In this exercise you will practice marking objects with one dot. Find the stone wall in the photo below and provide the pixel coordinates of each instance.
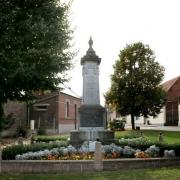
(56, 166)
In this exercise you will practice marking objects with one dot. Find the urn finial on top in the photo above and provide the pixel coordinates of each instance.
(90, 54)
(90, 42)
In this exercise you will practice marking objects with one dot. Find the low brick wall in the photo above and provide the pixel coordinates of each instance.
(57, 166)
(45, 166)
(140, 163)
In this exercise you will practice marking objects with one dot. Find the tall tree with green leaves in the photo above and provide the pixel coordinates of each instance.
(135, 85)
(34, 47)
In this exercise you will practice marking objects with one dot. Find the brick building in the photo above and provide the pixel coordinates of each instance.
(172, 107)
(56, 112)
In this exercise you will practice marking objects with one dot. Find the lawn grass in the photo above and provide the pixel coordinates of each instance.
(140, 174)
(170, 137)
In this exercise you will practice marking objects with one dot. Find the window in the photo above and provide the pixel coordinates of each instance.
(75, 115)
(75, 111)
(67, 109)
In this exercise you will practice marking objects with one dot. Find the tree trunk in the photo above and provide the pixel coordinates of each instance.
(1, 115)
(145, 120)
(132, 121)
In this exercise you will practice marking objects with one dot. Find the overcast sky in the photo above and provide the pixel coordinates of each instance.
(115, 23)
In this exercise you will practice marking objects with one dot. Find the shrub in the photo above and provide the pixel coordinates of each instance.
(42, 138)
(116, 124)
(21, 131)
(175, 147)
(140, 142)
(41, 131)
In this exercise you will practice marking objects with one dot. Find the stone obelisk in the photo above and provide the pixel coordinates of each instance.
(92, 124)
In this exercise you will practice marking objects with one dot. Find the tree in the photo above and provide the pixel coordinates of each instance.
(135, 84)
(34, 47)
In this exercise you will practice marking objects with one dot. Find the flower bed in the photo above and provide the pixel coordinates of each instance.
(60, 150)
(10, 152)
(108, 151)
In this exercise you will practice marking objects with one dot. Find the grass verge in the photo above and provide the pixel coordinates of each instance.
(140, 174)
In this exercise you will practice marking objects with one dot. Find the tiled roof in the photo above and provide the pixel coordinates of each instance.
(168, 84)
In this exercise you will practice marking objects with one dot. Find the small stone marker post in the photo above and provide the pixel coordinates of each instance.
(98, 156)
(161, 139)
(141, 134)
(32, 125)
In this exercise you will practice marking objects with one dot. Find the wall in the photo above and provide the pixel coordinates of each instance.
(55, 119)
(46, 119)
(56, 166)
(173, 95)
(67, 123)
(159, 120)
(18, 111)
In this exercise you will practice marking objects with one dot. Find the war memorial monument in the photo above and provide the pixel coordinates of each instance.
(92, 124)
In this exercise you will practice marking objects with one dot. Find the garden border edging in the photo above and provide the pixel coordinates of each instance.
(59, 166)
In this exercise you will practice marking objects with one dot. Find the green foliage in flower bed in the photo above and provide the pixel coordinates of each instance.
(143, 143)
(10, 152)
(50, 138)
(171, 140)
(132, 139)
(135, 142)
(175, 147)
(127, 134)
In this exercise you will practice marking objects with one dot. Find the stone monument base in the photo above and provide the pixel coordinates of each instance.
(78, 137)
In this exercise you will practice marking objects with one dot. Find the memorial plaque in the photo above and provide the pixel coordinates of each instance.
(91, 118)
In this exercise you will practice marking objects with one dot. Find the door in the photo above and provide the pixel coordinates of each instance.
(172, 114)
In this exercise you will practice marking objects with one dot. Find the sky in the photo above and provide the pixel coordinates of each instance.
(115, 23)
